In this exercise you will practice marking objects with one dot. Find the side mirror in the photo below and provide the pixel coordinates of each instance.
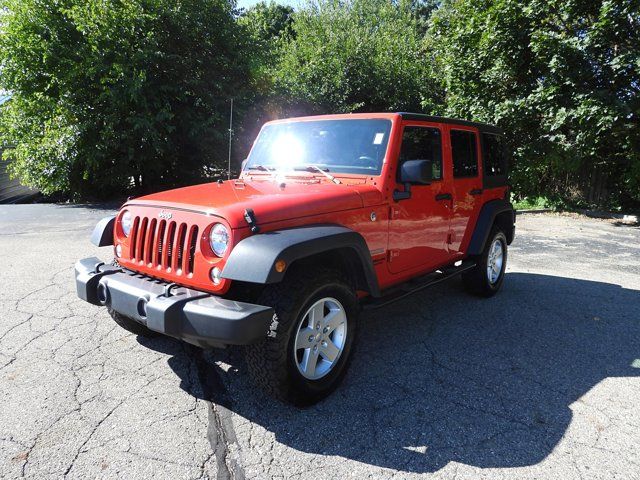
(413, 172)
(417, 171)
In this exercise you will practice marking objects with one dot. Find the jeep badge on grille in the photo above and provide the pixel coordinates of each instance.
(166, 215)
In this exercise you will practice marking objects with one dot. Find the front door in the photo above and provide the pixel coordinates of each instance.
(467, 184)
(419, 225)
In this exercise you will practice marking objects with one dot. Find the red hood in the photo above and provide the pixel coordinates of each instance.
(269, 202)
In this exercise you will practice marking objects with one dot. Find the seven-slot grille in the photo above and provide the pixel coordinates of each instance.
(164, 244)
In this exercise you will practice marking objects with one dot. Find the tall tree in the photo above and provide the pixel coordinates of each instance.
(357, 55)
(562, 77)
(109, 93)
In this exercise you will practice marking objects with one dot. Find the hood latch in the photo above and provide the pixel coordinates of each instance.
(250, 217)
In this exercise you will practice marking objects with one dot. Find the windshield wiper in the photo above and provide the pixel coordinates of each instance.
(262, 168)
(323, 171)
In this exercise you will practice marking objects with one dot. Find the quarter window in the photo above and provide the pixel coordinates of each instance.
(495, 161)
(464, 153)
(423, 143)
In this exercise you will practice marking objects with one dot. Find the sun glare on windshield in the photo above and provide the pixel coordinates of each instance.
(287, 151)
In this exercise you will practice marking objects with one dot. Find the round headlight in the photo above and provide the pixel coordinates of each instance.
(219, 239)
(126, 221)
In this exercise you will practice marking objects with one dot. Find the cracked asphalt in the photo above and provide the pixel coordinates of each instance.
(540, 381)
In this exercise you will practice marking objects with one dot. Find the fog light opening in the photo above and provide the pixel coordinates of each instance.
(118, 250)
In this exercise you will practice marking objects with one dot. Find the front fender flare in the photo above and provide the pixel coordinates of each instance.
(253, 259)
(102, 235)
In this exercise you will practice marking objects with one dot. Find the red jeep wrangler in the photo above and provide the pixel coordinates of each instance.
(330, 214)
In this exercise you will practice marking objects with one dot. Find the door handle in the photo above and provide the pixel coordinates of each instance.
(444, 196)
(475, 191)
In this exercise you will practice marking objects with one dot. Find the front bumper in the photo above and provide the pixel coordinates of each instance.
(190, 315)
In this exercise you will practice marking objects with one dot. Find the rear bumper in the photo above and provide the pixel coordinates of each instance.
(190, 315)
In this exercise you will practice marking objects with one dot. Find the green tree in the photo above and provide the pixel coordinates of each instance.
(357, 55)
(562, 78)
(117, 93)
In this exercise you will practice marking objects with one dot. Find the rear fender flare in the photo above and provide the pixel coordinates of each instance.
(253, 259)
(486, 219)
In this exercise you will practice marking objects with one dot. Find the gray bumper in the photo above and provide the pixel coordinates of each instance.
(191, 315)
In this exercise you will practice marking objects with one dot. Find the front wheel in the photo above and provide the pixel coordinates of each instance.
(307, 351)
(486, 278)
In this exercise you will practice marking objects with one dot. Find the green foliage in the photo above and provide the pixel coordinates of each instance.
(110, 93)
(107, 93)
(562, 78)
(356, 55)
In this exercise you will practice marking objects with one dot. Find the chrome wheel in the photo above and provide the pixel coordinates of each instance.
(495, 260)
(320, 338)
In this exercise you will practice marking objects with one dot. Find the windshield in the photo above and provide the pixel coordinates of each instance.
(338, 146)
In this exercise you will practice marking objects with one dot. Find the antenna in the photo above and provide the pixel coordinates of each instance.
(230, 137)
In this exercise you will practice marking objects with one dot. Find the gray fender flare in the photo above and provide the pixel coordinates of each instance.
(102, 235)
(253, 259)
(486, 218)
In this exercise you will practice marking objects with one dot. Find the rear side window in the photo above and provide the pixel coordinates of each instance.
(423, 143)
(464, 153)
(495, 161)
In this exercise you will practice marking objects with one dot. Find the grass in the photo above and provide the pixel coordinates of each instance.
(531, 203)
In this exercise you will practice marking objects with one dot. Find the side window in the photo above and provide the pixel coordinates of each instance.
(464, 153)
(423, 143)
(495, 161)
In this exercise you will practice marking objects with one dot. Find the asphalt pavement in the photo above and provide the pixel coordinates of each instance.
(540, 381)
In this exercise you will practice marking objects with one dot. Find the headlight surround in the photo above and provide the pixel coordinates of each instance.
(219, 239)
(126, 221)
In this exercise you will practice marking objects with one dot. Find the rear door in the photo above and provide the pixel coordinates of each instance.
(419, 225)
(467, 184)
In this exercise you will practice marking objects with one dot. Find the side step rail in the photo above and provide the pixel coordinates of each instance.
(399, 292)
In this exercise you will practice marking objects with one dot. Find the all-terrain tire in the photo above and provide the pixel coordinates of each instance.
(476, 281)
(131, 325)
(272, 362)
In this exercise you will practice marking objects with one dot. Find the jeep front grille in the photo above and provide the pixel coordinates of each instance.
(163, 244)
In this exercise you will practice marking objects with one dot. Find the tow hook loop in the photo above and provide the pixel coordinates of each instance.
(168, 288)
(250, 217)
(96, 268)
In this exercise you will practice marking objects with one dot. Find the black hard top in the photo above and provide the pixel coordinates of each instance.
(483, 127)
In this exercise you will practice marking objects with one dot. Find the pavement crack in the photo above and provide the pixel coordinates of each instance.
(220, 432)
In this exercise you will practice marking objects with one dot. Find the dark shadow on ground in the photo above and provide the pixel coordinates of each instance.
(447, 377)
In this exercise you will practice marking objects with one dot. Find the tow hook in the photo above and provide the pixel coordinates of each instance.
(168, 288)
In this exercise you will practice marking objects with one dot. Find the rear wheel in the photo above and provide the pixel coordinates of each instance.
(131, 325)
(486, 278)
(308, 349)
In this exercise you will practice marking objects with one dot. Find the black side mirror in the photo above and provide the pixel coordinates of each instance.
(413, 172)
(417, 171)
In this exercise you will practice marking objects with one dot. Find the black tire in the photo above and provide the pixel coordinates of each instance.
(476, 280)
(271, 362)
(131, 325)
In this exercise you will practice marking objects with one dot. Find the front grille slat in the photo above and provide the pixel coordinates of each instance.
(177, 260)
(148, 247)
(133, 235)
(164, 245)
(159, 248)
(142, 233)
(171, 231)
